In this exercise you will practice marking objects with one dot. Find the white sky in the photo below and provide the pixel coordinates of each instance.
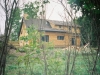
(54, 11)
(2, 18)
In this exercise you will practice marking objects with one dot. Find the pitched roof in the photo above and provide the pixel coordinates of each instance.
(53, 30)
(63, 23)
(44, 25)
(41, 25)
(38, 23)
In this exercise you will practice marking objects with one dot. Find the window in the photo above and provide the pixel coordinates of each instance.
(69, 28)
(59, 26)
(60, 37)
(45, 38)
(73, 41)
(47, 23)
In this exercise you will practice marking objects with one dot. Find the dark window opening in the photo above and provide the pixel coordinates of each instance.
(69, 28)
(73, 41)
(60, 37)
(45, 38)
(59, 26)
(47, 23)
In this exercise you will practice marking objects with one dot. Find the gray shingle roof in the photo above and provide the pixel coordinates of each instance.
(41, 24)
(63, 23)
(53, 30)
(44, 25)
(38, 23)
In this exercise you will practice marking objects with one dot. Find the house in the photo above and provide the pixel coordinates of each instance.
(61, 34)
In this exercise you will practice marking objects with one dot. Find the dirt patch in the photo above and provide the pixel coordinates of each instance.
(16, 53)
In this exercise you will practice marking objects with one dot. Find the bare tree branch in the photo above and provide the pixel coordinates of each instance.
(8, 25)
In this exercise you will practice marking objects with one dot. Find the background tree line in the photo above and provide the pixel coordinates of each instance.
(89, 20)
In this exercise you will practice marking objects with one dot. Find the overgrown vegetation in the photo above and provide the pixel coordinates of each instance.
(34, 64)
(90, 17)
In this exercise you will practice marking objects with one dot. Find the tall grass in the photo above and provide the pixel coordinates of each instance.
(56, 60)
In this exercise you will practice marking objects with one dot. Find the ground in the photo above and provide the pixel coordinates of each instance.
(20, 63)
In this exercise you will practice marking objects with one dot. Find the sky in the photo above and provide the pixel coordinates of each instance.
(2, 18)
(54, 11)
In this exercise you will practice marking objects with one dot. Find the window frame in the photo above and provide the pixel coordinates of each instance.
(60, 37)
(45, 38)
(60, 26)
(73, 41)
(70, 28)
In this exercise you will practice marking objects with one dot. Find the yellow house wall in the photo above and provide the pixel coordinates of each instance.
(53, 38)
(23, 33)
(77, 30)
(78, 41)
(61, 43)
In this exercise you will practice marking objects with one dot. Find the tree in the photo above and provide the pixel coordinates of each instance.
(35, 50)
(35, 9)
(16, 25)
(9, 8)
(31, 9)
(91, 10)
(86, 30)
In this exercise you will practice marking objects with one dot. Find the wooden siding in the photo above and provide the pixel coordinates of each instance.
(23, 33)
(61, 43)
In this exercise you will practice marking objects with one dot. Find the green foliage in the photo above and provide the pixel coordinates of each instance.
(86, 6)
(34, 64)
(16, 25)
(34, 9)
(98, 67)
(32, 57)
(90, 10)
(86, 30)
(33, 37)
(31, 9)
